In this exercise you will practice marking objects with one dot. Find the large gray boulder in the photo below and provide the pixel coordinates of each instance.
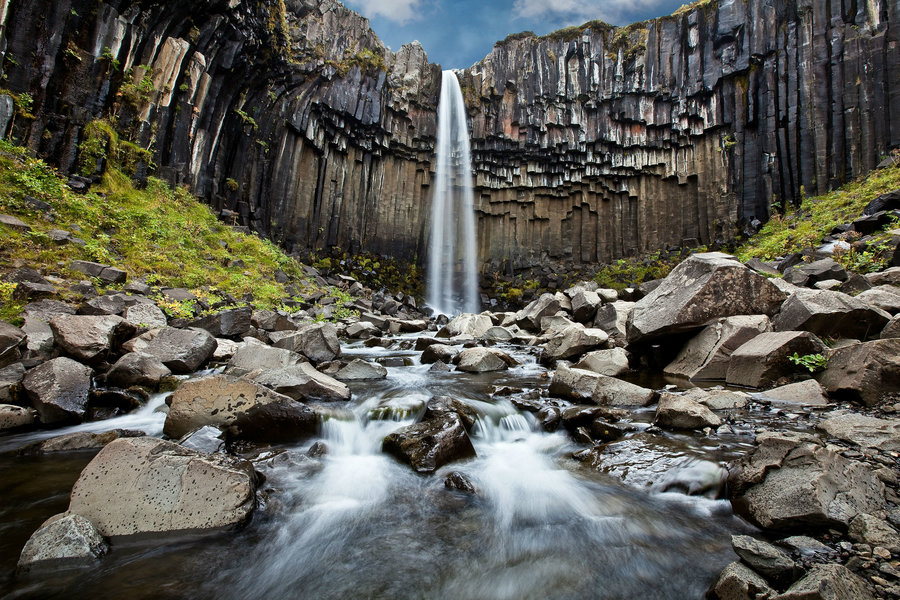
(869, 529)
(579, 384)
(806, 274)
(302, 382)
(806, 393)
(706, 355)
(863, 431)
(244, 407)
(429, 445)
(254, 355)
(90, 338)
(575, 340)
(739, 582)
(181, 350)
(885, 297)
(12, 340)
(545, 306)
(830, 314)
(231, 323)
(319, 343)
(145, 315)
(704, 287)
(59, 390)
(481, 360)
(828, 582)
(137, 369)
(765, 358)
(147, 485)
(676, 411)
(360, 370)
(63, 539)
(611, 362)
(466, 324)
(792, 482)
(438, 352)
(766, 559)
(613, 319)
(584, 305)
(864, 372)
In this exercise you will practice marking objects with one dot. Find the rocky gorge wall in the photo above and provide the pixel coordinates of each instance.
(589, 144)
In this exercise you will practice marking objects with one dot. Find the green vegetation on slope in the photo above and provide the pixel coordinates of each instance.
(162, 234)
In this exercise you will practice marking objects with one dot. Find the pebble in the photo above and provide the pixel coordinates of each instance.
(889, 569)
(882, 553)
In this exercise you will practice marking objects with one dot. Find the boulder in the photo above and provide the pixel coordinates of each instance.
(181, 350)
(869, 529)
(863, 431)
(99, 306)
(147, 485)
(584, 305)
(718, 399)
(12, 340)
(481, 360)
(207, 439)
(145, 316)
(225, 324)
(302, 382)
(360, 370)
(466, 324)
(766, 559)
(892, 329)
(806, 274)
(137, 369)
(59, 390)
(429, 445)
(765, 358)
(319, 342)
(704, 287)
(244, 407)
(437, 352)
(11, 382)
(864, 372)
(738, 582)
(885, 297)
(806, 393)
(225, 349)
(580, 384)
(362, 331)
(830, 314)
(63, 539)
(612, 362)
(14, 417)
(79, 440)
(573, 341)
(90, 338)
(500, 334)
(676, 411)
(828, 582)
(530, 317)
(887, 277)
(440, 405)
(792, 482)
(613, 319)
(706, 355)
(255, 355)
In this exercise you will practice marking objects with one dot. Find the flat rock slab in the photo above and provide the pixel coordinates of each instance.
(791, 482)
(580, 384)
(78, 441)
(863, 431)
(147, 485)
(229, 402)
(302, 382)
(806, 393)
(703, 288)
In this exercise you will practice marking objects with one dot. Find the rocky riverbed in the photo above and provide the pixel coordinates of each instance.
(719, 431)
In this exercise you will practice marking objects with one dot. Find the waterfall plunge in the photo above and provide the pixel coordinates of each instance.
(452, 271)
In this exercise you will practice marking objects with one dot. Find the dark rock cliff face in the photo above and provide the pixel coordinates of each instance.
(589, 144)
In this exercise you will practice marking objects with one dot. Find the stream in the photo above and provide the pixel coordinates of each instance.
(355, 523)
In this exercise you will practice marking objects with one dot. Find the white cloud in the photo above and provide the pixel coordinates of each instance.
(575, 12)
(398, 11)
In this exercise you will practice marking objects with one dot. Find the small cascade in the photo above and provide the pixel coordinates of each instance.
(452, 266)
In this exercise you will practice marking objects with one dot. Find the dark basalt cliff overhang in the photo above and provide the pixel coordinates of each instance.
(589, 144)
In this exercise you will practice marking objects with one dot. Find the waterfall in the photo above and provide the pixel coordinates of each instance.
(452, 270)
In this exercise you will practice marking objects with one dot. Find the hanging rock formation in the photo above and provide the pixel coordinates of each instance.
(589, 144)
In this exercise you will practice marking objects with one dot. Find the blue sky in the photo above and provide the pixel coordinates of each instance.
(459, 33)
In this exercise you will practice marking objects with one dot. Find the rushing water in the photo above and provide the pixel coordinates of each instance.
(355, 523)
(452, 270)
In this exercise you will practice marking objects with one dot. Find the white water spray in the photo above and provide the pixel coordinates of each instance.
(452, 270)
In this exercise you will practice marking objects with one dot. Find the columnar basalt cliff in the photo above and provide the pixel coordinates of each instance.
(589, 144)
